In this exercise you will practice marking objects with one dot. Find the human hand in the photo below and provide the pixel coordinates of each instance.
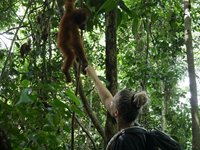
(90, 71)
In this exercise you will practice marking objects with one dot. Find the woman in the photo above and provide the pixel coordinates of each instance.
(125, 107)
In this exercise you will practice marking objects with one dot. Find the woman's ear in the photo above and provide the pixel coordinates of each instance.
(116, 113)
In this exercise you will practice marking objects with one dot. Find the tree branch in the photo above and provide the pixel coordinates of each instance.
(14, 28)
(87, 133)
(90, 113)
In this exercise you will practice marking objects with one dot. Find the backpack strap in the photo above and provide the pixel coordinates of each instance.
(134, 129)
(112, 141)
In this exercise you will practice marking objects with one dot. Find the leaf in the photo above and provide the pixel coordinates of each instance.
(135, 25)
(76, 110)
(24, 98)
(73, 97)
(125, 8)
(48, 128)
(59, 104)
(25, 83)
(17, 44)
(67, 128)
(119, 17)
(108, 5)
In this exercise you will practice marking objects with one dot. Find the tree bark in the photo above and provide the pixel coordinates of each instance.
(111, 68)
(192, 77)
(89, 112)
(4, 142)
(165, 101)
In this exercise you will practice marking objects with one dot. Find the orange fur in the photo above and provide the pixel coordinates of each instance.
(69, 39)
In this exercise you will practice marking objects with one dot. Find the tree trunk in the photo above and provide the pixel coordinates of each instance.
(164, 107)
(192, 77)
(111, 68)
(165, 103)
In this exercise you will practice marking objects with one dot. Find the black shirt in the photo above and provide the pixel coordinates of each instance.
(127, 140)
(130, 142)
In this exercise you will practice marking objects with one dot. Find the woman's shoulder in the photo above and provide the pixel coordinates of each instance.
(132, 138)
(135, 134)
(134, 141)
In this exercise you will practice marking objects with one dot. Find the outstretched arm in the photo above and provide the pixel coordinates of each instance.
(105, 96)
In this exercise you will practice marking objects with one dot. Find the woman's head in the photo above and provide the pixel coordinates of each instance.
(129, 104)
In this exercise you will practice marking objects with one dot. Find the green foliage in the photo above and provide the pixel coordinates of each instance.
(8, 9)
(108, 5)
(35, 102)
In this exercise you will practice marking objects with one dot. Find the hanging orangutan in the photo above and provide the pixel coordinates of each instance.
(69, 39)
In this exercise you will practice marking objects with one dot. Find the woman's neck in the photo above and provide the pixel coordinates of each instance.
(121, 124)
